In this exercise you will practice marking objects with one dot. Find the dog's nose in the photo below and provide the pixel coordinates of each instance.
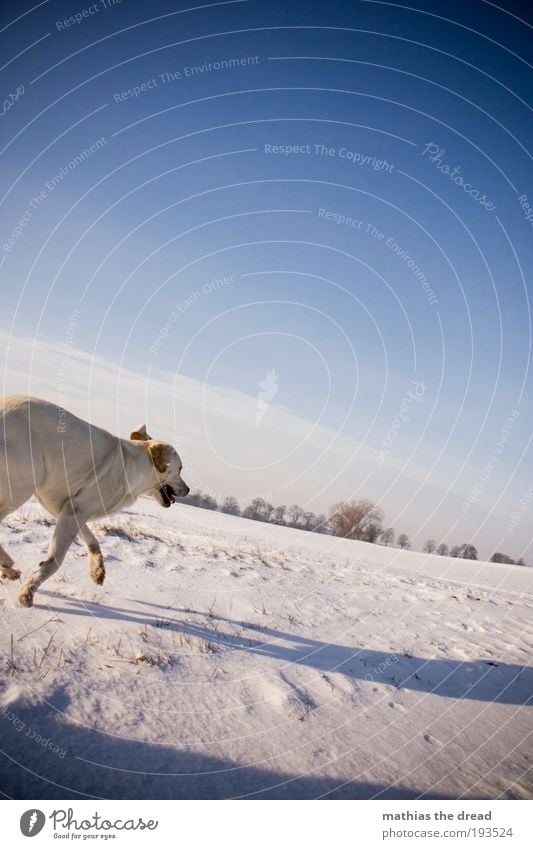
(186, 490)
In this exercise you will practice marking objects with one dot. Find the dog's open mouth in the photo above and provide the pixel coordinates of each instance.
(168, 495)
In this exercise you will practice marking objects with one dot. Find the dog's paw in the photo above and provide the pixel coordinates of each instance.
(9, 573)
(98, 575)
(97, 570)
(26, 596)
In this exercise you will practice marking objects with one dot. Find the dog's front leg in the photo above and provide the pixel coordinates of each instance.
(96, 559)
(67, 527)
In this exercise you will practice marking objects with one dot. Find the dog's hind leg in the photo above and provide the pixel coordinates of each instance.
(96, 559)
(6, 562)
(68, 526)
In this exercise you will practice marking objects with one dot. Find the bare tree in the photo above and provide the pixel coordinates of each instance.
(230, 505)
(498, 557)
(468, 551)
(321, 525)
(372, 533)
(268, 511)
(443, 549)
(255, 509)
(309, 520)
(430, 545)
(356, 520)
(279, 514)
(403, 541)
(455, 551)
(387, 536)
(296, 515)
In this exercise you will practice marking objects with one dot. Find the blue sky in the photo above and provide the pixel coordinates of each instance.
(311, 176)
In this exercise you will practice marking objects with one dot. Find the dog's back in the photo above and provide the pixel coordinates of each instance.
(21, 460)
(43, 446)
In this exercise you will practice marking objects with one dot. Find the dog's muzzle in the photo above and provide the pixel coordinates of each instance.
(169, 494)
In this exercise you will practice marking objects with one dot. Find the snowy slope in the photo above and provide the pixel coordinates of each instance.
(225, 658)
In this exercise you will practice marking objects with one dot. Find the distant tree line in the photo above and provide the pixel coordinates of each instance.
(466, 551)
(293, 517)
(498, 557)
(358, 520)
(200, 499)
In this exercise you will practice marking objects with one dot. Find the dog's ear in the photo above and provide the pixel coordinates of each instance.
(140, 433)
(160, 454)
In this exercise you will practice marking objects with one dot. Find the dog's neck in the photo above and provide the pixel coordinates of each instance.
(145, 478)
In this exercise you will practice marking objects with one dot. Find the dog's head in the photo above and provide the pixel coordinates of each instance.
(168, 484)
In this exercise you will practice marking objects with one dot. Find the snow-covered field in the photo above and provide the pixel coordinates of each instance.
(225, 658)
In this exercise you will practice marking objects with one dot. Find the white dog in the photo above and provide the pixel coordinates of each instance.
(79, 473)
